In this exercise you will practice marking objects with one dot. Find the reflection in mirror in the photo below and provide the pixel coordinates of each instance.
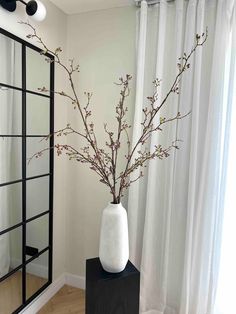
(37, 71)
(10, 205)
(37, 235)
(36, 274)
(38, 115)
(11, 293)
(10, 62)
(37, 198)
(11, 159)
(10, 111)
(10, 251)
(25, 116)
(37, 166)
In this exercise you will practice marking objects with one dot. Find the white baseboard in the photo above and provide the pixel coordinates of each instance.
(75, 281)
(32, 268)
(45, 296)
(37, 270)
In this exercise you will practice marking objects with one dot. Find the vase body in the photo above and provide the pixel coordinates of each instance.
(114, 239)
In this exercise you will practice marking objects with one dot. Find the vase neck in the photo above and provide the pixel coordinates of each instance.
(114, 206)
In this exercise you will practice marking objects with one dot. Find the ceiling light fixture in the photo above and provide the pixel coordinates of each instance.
(35, 9)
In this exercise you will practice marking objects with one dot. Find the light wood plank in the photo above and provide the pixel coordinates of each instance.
(68, 300)
(11, 291)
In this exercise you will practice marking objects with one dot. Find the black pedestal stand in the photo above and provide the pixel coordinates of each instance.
(108, 293)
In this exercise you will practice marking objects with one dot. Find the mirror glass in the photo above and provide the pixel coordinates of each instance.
(10, 61)
(25, 121)
(36, 274)
(11, 293)
(38, 115)
(10, 111)
(37, 235)
(11, 251)
(37, 71)
(40, 165)
(37, 196)
(11, 159)
(10, 205)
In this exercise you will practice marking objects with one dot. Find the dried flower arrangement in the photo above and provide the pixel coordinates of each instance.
(103, 160)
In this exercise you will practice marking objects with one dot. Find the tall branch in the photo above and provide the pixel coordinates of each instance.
(104, 161)
(148, 129)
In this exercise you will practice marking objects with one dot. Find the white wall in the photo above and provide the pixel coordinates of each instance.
(103, 42)
(53, 30)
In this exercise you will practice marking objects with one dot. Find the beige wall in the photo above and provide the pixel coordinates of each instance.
(53, 30)
(103, 42)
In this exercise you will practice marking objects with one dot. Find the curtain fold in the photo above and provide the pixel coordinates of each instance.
(226, 261)
(135, 248)
(175, 213)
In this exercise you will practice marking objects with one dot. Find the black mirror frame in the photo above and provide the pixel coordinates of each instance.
(23, 224)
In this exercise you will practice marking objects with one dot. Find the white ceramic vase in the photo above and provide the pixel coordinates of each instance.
(114, 239)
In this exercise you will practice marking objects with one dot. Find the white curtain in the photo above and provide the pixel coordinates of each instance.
(10, 116)
(175, 213)
(225, 300)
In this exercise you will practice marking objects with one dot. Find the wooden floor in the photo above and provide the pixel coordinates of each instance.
(11, 291)
(68, 300)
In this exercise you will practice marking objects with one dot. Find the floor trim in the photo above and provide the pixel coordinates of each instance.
(32, 268)
(44, 297)
(75, 281)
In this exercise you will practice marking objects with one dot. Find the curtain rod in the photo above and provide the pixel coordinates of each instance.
(150, 2)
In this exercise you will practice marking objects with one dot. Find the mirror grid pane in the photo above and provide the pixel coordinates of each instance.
(25, 191)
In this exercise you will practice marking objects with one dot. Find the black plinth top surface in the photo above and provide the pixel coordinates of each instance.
(95, 272)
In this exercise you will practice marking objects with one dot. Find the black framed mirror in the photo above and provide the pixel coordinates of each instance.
(26, 189)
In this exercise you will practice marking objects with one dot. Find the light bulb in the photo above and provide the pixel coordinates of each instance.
(36, 10)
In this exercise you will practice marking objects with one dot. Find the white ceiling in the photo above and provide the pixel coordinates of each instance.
(78, 6)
